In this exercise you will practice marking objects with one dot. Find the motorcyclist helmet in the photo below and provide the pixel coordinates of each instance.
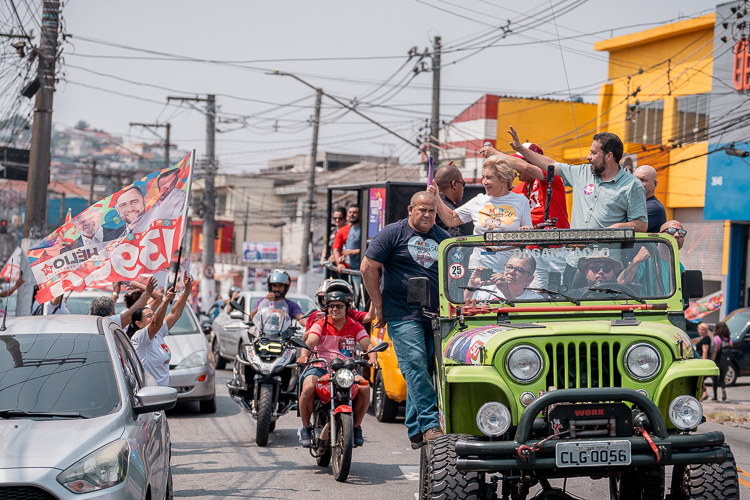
(339, 296)
(281, 277)
(331, 285)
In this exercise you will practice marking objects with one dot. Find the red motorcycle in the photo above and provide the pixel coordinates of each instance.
(333, 417)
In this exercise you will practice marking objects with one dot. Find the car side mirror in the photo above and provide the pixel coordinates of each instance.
(692, 284)
(235, 314)
(418, 292)
(155, 399)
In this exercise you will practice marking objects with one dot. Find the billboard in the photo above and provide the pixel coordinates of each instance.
(264, 251)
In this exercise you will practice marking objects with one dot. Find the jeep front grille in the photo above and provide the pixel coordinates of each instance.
(582, 364)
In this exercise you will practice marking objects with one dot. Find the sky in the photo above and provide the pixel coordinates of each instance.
(350, 49)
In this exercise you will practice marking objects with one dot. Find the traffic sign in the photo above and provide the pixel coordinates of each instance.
(208, 272)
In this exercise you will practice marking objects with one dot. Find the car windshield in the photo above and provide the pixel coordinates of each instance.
(57, 373)
(737, 322)
(492, 272)
(305, 304)
(186, 324)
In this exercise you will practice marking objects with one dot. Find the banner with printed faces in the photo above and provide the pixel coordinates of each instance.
(12, 269)
(132, 232)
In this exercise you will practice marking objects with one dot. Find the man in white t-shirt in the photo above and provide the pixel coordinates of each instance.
(510, 285)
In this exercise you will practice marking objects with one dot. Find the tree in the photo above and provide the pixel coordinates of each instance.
(82, 125)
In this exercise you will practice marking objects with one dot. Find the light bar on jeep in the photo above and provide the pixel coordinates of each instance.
(560, 235)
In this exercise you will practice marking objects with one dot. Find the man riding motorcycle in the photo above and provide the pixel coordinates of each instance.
(278, 283)
(335, 336)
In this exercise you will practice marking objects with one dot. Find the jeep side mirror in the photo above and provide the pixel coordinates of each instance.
(418, 292)
(692, 284)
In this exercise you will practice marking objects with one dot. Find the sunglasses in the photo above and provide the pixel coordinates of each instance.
(516, 270)
(463, 183)
(595, 268)
(339, 218)
(673, 230)
(336, 306)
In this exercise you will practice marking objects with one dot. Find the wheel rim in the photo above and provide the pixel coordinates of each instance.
(729, 375)
(338, 447)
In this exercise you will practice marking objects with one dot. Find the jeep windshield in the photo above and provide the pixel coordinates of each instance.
(534, 266)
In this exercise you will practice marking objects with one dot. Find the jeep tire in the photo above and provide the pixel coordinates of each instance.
(447, 483)
(708, 481)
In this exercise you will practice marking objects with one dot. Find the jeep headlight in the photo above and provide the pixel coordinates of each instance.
(524, 363)
(103, 468)
(642, 361)
(493, 419)
(344, 378)
(198, 358)
(685, 412)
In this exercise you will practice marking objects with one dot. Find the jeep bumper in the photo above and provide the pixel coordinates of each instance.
(674, 449)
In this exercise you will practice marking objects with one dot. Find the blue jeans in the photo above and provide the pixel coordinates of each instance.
(414, 347)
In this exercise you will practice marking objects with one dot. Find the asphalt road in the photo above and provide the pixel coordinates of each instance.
(215, 456)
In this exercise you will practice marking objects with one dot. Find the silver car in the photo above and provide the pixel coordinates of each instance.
(78, 415)
(229, 328)
(191, 369)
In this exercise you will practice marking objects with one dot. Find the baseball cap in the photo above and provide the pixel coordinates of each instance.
(533, 147)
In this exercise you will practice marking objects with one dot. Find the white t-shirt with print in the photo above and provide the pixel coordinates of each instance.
(494, 213)
(484, 294)
(154, 353)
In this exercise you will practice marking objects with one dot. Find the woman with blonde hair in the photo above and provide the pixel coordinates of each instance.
(498, 209)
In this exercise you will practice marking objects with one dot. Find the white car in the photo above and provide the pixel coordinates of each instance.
(79, 417)
(229, 330)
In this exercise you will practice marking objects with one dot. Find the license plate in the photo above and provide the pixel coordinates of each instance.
(592, 454)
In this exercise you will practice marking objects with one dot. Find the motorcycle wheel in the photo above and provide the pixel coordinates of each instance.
(342, 446)
(325, 458)
(265, 409)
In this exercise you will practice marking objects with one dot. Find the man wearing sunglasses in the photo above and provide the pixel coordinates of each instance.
(451, 184)
(511, 285)
(596, 271)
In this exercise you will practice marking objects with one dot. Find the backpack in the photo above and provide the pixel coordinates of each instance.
(724, 356)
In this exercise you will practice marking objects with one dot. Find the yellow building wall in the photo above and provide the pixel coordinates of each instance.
(549, 124)
(662, 63)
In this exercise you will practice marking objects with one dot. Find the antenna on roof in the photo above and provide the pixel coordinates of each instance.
(5, 311)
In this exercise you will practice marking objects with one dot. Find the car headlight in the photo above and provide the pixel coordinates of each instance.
(524, 363)
(198, 358)
(344, 378)
(685, 412)
(642, 361)
(493, 419)
(103, 468)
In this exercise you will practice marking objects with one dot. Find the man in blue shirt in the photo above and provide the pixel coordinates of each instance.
(407, 249)
(657, 216)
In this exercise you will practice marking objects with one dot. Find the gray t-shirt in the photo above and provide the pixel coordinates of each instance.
(598, 204)
(353, 243)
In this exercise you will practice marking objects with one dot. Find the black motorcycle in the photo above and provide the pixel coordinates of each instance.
(333, 415)
(265, 372)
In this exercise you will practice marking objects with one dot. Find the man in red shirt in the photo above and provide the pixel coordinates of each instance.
(534, 185)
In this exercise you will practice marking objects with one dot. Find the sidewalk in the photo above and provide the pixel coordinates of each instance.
(734, 411)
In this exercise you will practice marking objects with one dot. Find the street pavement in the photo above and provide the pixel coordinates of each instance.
(215, 456)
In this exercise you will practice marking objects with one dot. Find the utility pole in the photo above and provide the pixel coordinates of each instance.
(307, 215)
(39, 157)
(247, 212)
(435, 119)
(167, 126)
(93, 178)
(208, 285)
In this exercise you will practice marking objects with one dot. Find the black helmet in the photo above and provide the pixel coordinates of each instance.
(279, 276)
(339, 296)
(331, 285)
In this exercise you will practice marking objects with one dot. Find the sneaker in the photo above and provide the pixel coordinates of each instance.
(432, 433)
(305, 440)
(417, 441)
(358, 439)
(723, 394)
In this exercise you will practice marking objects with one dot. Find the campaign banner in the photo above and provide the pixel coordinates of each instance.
(703, 307)
(12, 269)
(130, 233)
(269, 251)
(376, 219)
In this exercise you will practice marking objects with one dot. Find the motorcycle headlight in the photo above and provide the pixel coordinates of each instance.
(685, 412)
(344, 378)
(524, 363)
(198, 358)
(642, 361)
(493, 419)
(103, 468)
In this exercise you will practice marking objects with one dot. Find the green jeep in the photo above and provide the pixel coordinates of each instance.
(586, 371)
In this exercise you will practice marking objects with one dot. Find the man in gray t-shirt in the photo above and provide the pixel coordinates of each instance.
(604, 194)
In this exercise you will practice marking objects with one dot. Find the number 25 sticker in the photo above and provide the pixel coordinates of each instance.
(456, 271)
